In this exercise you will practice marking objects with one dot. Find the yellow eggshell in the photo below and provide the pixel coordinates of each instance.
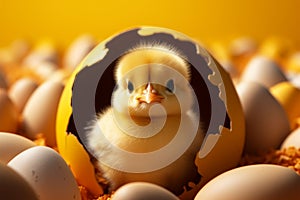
(288, 96)
(13, 186)
(21, 90)
(266, 122)
(293, 63)
(9, 115)
(47, 173)
(276, 48)
(39, 114)
(292, 140)
(218, 146)
(259, 182)
(12, 144)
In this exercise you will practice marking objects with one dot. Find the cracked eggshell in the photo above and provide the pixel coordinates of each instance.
(12, 144)
(13, 186)
(47, 173)
(221, 151)
(259, 182)
(267, 124)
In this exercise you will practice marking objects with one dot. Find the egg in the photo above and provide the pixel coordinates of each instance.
(3, 81)
(277, 48)
(293, 63)
(47, 173)
(9, 116)
(142, 190)
(292, 140)
(266, 121)
(79, 48)
(20, 92)
(13, 186)
(288, 95)
(12, 144)
(44, 51)
(263, 70)
(241, 50)
(253, 182)
(39, 114)
(223, 146)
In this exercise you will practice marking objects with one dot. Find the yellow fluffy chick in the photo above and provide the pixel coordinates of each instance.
(153, 98)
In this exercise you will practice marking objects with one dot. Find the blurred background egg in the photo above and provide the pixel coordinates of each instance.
(241, 50)
(292, 140)
(9, 115)
(288, 95)
(77, 50)
(39, 114)
(20, 92)
(266, 121)
(253, 182)
(263, 70)
(47, 173)
(13, 186)
(141, 191)
(3, 81)
(12, 144)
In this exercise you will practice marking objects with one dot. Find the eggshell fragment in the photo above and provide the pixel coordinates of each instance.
(39, 113)
(47, 173)
(253, 182)
(11, 145)
(13, 186)
(142, 190)
(21, 90)
(264, 71)
(293, 139)
(266, 122)
(8, 113)
(288, 96)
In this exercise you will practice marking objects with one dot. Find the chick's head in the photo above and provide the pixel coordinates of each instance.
(146, 77)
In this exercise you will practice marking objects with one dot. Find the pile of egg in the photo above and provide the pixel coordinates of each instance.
(266, 76)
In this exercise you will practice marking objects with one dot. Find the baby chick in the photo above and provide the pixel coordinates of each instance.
(148, 76)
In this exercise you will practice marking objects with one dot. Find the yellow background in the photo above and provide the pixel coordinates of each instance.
(63, 20)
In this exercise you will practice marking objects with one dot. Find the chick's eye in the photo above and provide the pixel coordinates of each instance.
(130, 86)
(170, 86)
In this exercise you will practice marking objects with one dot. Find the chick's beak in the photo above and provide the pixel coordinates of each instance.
(150, 95)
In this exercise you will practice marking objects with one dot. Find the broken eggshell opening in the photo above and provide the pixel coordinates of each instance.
(91, 86)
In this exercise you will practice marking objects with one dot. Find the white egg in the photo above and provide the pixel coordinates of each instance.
(263, 70)
(39, 114)
(253, 182)
(12, 144)
(141, 191)
(47, 173)
(78, 50)
(293, 139)
(21, 90)
(13, 186)
(266, 121)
